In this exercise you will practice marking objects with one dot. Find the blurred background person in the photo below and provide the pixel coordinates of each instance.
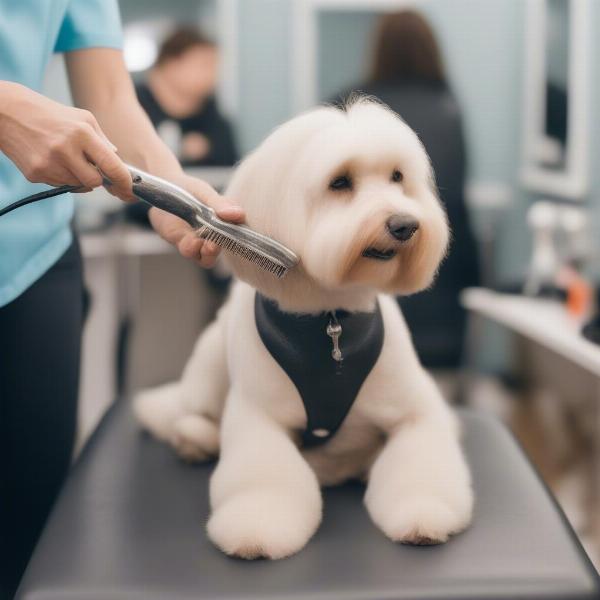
(408, 74)
(179, 92)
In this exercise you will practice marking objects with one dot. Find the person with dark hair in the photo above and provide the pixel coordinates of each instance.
(180, 89)
(408, 75)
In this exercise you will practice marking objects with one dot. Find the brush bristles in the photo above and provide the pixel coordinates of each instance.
(231, 245)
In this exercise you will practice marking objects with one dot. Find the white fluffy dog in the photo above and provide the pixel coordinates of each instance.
(351, 192)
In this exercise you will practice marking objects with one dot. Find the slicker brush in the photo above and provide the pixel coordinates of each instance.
(259, 249)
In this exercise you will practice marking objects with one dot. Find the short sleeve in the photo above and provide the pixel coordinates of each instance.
(90, 24)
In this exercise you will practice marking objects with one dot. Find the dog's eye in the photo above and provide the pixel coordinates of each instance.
(343, 182)
(397, 176)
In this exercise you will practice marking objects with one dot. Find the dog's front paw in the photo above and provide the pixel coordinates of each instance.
(423, 521)
(195, 438)
(157, 409)
(263, 524)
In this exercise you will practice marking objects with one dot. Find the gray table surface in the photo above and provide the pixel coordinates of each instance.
(129, 525)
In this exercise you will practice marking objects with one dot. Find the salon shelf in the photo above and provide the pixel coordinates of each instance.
(546, 322)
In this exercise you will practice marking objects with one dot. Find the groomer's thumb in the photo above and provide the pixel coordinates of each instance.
(224, 207)
(228, 211)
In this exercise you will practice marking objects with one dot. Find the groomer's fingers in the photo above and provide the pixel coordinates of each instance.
(209, 254)
(61, 176)
(87, 174)
(170, 228)
(101, 154)
(178, 233)
(225, 208)
(204, 253)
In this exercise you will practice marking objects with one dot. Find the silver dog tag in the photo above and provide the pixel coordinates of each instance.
(334, 331)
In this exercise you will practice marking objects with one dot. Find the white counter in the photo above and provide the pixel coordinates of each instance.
(546, 322)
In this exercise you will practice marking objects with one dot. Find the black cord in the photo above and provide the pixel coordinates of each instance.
(63, 189)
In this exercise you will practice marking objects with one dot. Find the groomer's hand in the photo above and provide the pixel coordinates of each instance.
(56, 144)
(177, 232)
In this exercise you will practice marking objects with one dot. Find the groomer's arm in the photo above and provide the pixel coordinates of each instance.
(101, 84)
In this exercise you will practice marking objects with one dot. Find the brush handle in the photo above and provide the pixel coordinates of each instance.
(170, 198)
(175, 200)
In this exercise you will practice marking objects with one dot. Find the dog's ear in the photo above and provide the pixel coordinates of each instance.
(263, 184)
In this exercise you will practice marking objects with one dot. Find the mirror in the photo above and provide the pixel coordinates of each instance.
(552, 150)
(321, 68)
(555, 116)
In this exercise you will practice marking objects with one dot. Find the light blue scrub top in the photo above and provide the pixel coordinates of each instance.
(34, 237)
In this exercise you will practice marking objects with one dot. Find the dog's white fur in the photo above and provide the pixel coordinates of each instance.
(234, 399)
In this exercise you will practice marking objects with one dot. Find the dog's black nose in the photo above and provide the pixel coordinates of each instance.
(402, 227)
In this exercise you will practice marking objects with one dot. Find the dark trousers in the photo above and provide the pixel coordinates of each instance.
(40, 336)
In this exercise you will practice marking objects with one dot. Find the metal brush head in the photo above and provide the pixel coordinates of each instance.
(263, 251)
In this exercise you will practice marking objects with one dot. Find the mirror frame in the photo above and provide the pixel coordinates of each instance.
(228, 31)
(572, 182)
(305, 40)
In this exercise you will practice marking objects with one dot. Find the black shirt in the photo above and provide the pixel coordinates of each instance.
(208, 121)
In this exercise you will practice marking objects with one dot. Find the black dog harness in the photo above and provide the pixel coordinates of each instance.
(327, 356)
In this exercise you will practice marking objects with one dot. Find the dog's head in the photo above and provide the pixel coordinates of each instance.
(352, 193)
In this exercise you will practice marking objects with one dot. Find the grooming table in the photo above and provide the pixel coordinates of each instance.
(129, 526)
